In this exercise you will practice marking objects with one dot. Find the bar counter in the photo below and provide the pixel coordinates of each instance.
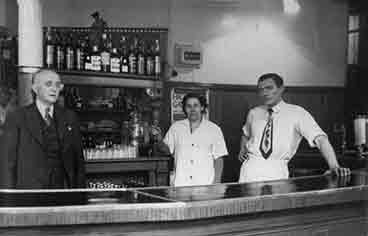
(313, 205)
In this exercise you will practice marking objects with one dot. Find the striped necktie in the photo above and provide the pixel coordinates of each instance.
(266, 141)
(48, 117)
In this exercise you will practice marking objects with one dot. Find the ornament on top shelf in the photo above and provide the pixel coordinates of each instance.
(97, 28)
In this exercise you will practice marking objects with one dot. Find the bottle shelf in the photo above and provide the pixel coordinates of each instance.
(109, 74)
(101, 131)
(107, 79)
(98, 110)
(128, 159)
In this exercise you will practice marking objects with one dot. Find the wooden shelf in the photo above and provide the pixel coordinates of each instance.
(104, 110)
(100, 131)
(105, 79)
(157, 168)
(102, 160)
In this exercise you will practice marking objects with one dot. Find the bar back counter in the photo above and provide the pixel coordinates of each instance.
(315, 205)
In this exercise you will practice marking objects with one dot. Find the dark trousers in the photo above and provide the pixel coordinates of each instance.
(56, 175)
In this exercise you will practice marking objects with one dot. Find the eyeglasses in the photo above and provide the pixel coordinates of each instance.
(58, 84)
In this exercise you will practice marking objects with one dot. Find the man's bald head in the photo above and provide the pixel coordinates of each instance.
(44, 73)
(46, 85)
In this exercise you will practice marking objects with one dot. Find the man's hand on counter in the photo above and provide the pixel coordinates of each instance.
(328, 153)
(339, 171)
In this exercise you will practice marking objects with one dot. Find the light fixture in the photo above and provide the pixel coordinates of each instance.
(291, 6)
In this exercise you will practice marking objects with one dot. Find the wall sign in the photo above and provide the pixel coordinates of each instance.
(187, 55)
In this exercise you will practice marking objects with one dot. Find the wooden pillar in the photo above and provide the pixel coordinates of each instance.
(30, 46)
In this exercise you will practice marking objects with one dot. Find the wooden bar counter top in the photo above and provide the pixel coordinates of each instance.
(314, 205)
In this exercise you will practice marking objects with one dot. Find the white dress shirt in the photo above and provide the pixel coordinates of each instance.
(42, 109)
(194, 153)
(290, 124)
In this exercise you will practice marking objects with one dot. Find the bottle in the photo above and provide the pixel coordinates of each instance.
(105, 53)
(70, 53)
(150, 63)
(157, 57)
(141, 58)
(133, 57)
(125, 63)
(50, 49)
(125, 134)
(80, 54)
(144, 146)
(60, 54)
(155, 131)
(115, 61)
(146, 132)
(95, 59)
(124, 55)
(136, 130)
(87, 60)
(360, 130)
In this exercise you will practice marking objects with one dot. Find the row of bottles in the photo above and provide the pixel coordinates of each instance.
(136, 138)
(126, 182)
(103, 184)
(116, 123)
(114, 152)
(115, 53)
(135, 181)
(74, 100)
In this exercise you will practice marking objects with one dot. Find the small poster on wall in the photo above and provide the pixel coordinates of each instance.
(177, 95)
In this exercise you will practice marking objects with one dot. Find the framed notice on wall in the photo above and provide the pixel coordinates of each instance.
(176, 97)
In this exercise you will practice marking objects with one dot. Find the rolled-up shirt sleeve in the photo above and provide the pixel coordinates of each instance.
(309, 128)
(246, 128)
(169, 139)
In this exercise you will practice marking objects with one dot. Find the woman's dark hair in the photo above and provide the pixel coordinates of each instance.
(275, 77)
(202, 100)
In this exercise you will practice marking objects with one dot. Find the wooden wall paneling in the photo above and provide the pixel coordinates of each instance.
(325, 105)
(336, 115)
(229, 110)
(215, 106)
(312, 102)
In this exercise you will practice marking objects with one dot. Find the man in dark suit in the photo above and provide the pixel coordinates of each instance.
(41, 145)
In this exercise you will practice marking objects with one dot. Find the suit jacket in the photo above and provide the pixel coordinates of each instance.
(23, 158)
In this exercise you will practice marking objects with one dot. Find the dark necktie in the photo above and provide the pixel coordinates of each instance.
(266, 141)
(48, 117)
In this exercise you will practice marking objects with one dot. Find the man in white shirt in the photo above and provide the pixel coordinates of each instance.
(272, 134)
(197, 145)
